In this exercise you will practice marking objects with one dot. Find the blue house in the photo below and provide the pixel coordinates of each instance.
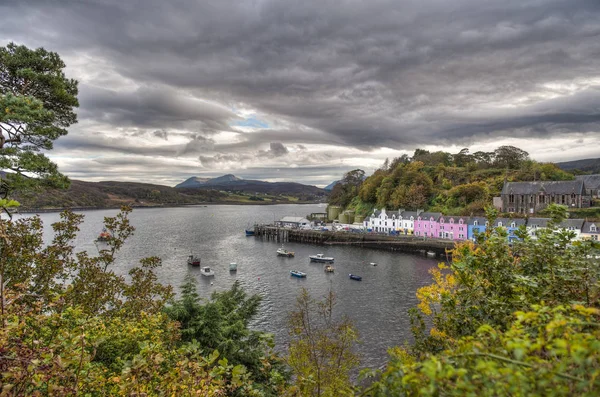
(511, 225)
(477, 224)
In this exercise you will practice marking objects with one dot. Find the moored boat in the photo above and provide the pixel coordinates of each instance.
(207, 271)
(283, 252)
(103, 236)
(233, 267)
(249, 232)
(193, 260)
(329, 269)
(373, 264)
(431, 254)
(297, 273)
(355, 277)
(321, 258)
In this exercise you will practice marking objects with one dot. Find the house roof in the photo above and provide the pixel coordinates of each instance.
(539, 222)
(293, 219)
(456, 219)
(507, 221)
(590, 181)
(408, 214)
(587, 227)
(480, 220)
(574, 223)
(427, 215)
(548, 187)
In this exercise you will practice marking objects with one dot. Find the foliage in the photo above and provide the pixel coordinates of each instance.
(223, 324)
(70, 325)
(348, 188)
(37, 105)
(320, 352)
(544, 351)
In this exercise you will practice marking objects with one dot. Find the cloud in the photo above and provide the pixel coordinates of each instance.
(220, 81)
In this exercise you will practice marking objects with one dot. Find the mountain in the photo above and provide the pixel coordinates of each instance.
(330, 186)
(586, 165)
(232, 183)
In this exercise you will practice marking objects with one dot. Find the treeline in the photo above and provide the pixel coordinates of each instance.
(462, 183)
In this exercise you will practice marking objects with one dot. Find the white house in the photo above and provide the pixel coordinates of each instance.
(400, 221)
(590, 231)
(573, 225)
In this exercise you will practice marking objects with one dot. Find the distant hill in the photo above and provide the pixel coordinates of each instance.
(109, 194)
(232, 183)
(330, 186)
(587, 166)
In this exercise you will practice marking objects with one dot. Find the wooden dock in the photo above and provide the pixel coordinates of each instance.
(411, 244)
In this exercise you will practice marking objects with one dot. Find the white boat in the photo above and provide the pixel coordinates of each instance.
(207, 271)
(283, 252)
(431, 254)
(373, 264)
(297, 273)
(233, 267)
(321, 258)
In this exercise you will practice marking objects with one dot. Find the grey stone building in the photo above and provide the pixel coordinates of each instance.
(532, 197)
(592, 184)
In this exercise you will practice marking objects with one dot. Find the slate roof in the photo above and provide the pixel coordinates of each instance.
(587, 225)
(506, 222)
(590, 181)
(408, 214)
(539, 222)
(455, 218)
(427, 215)
(480, 220)
(577, 224)
(549, 187)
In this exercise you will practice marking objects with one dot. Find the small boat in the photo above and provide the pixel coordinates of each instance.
(283, 252)
(329, 269)
(297, 273)
(207, 271)
(249, 232)
(373, 264)
(355, 277)
(103, 236)
(321, 258)
(430, 254)
(233, 267)
(193, 260)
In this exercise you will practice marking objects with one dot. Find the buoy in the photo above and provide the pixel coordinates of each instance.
(259, 279)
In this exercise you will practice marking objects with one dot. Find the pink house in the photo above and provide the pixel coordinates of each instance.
(426, 224)
(453, 227)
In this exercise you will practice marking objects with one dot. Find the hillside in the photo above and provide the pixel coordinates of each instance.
(232, 183)
(588, 166)
(457, 184)
(109, 194)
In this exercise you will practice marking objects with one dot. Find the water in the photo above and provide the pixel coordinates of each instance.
(377, 305)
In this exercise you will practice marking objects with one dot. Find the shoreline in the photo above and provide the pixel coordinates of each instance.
(206, 204)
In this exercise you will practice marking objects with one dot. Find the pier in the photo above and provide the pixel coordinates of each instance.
(409, 244)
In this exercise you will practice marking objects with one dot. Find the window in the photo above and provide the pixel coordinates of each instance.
(461, 236)
(425, 226)
(475, 223)
(511, 198)
(500, 224)
(440, 234)
(563, 200)
(451, 220)
(593, 228)
(513, 225)
(595, 237)
(542, 199)
(460, 222)
(441, 220)
(425, 234)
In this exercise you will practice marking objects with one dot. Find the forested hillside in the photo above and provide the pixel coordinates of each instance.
(462, 183)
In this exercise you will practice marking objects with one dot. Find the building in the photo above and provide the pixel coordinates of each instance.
(453, 227)
(590, 231)
(293, 222)
(591, 183)
(407, 221)
(573, 225)
(426, 224)
(535, 224)
(476, 225)
(532, 197)
(510, 225)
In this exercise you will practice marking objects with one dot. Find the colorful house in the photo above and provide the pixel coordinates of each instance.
(590, 231)
(511, 225)
(426, 224)
(407, 221)
(453, 227)
(476, 224)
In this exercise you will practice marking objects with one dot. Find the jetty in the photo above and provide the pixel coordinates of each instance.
(408, 244)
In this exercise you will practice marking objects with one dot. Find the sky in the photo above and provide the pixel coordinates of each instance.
(304, 91)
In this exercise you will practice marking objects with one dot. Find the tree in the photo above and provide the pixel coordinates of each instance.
(37, 106)
(320, 352)
(509, 157)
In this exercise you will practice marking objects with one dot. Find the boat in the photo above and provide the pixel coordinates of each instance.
(297, 273)
(329, 269)
(249, 232)
(283, 252)
(207, 271)
(431, 254)
(233, 267)
(355, 277)
(103, 236)
(373, 264)
(193, 260)
(321, 258)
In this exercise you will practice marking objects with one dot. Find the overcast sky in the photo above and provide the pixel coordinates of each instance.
(289, 90)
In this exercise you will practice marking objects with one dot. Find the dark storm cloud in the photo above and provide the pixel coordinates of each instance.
(360, 74)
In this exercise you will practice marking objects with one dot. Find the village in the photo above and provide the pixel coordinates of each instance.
(521, 200)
